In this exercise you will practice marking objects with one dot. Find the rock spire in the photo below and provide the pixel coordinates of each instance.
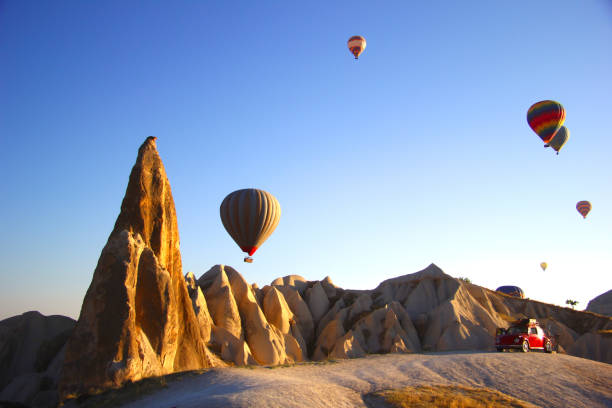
(137, 319)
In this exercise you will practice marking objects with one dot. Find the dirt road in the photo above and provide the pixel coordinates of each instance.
(546, 380)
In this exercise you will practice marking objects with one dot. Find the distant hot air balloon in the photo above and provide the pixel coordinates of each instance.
(583, 208)
(545, 118)
(356, 44)
(512, 291)
(559, 139)
(250, 216)
(543, 265)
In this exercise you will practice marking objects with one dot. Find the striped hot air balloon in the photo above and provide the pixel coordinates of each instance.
(250, 216)
(559, 139)
(545, 118)
(356, 44)
(583, 208)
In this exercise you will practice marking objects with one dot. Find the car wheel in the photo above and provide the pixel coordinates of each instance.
(548, 347)
(525, 347)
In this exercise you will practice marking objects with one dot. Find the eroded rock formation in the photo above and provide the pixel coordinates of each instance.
(602, 304)
(425, 311)
(294, 319)
(31, 352)
(262, 329)
(137, 318)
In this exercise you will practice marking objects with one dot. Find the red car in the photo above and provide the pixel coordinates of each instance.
(525, 335)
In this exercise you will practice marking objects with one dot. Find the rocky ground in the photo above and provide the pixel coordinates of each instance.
(545, 380)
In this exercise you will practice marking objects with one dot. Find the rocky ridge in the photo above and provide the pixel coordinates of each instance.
(294, 320)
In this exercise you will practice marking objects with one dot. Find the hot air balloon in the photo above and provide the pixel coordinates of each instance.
(512, 291)
(250, 216)
(583, 208)
(559, 139)
(543, 265)
(356, 44)
(545, 118)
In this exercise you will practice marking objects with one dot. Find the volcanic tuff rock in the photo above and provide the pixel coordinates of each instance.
(137, 319)
(602, 304)
(234, 307)
(274, 325)
(593, 346)
(31, 350)
(295, 319)
(317, 301)
(200, 307)
(295, 282)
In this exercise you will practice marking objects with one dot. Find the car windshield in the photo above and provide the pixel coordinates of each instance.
(517, 330)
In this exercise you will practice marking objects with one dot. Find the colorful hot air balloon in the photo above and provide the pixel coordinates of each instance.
(559, 139)
(250, 216)
(356, 44)
(512, 291)
(543, 265)
(583, 208)
(545, 118)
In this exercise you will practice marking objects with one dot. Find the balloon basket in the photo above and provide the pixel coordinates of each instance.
(248, 259)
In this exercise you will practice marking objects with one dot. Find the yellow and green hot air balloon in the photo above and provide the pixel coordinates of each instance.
(543, 265)
(250, 216)
(545, 118)
(559, 139)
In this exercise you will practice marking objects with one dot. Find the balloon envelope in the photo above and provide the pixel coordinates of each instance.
(356, 44)
(545, 118)
(559, 139)
(583, 208)
(543, 265)
(250, 216)
(512, 291)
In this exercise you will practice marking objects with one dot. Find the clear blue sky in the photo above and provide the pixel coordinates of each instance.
(417, 153)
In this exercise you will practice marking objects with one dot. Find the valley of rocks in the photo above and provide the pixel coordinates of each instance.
(142, 316)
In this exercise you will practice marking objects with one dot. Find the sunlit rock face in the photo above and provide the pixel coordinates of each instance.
(200, 307)
(137, 318)
(317, 301)
(300, 311)
(262, 329)
(602, 304)
(220, 299)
